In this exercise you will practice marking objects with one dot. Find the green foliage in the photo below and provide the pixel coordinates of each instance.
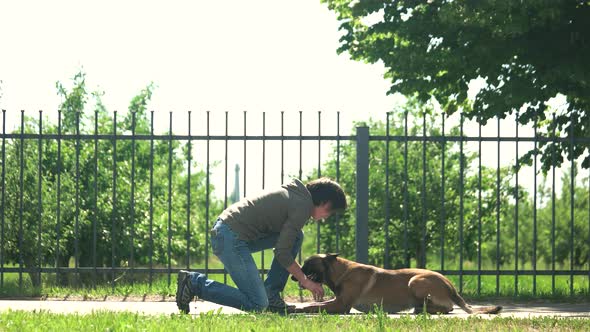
(437, 219)
(548, 229)
(95, 193)
(413, 215)
(526, 51)
(562, 223)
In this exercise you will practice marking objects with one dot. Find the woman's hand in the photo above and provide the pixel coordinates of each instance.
(315, 288)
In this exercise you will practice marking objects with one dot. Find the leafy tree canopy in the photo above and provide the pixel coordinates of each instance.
(526, 51)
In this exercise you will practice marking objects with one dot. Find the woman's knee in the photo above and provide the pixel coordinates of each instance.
(258, 305)
(255, 297)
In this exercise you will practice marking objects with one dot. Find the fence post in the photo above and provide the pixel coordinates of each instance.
(362, 194)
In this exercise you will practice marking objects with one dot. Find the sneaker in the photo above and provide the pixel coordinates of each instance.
(184, 295)
(277, 305)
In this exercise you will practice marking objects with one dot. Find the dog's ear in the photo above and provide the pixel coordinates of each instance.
(332, 256)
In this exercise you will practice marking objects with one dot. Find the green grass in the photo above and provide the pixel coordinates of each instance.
(161, 287)
(212, 321)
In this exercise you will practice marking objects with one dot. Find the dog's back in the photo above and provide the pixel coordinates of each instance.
(409, 288)
(363, 287)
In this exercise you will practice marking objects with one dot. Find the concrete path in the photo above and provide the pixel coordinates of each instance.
(580, 310)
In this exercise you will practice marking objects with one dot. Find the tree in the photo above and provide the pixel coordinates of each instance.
(427, 216)
(81, 218)
(556, 212)
(526, 52)
(554, 225)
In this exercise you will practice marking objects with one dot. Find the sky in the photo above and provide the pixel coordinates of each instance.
(202, 55)
(217, 56)
(233, 55)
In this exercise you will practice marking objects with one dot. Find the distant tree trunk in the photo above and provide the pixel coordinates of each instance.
(421, 256)
(62, 276)
(579, 258)
(88, 278)
(35, 277)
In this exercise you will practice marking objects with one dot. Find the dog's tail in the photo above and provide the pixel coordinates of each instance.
(467, 308)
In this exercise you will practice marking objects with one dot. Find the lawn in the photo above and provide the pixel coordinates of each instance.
(161, 287)
(110, 321)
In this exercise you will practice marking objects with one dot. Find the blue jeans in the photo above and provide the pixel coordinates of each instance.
(252, 293)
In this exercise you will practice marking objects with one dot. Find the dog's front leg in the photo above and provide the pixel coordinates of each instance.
(333, 306)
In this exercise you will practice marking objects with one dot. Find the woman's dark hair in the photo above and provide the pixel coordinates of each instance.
(325, 190)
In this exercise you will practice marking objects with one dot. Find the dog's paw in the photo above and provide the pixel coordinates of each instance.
(318, 298)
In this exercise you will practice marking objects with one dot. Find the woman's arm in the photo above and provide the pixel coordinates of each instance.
(315, 288)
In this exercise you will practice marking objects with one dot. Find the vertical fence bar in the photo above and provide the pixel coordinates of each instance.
(517, 192)
(300, 174)
(337, 221)
(498, 216)
(442, 194)
(39, 197)
(225, 187)
(77, 231)
(170, 200)
(225, 163)
(362, 194)
(589, 229)
(283, 169)
(263, 175)
(3, 197)
(553, 152)
(319, 174)
(188, 196)
(132, 245)
(207, 196)
(535, 211)
(151, 199)
(58, 216)
(95, 217)
(386, 254)
(407, 257)
(461, 205)
(300, 145)
(422, 258)
(114, 195)
(479, 208)
(282, 147)
(572, 191)
(20, 200)
(245, 154)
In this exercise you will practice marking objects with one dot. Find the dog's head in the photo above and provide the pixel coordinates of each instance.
(315, 267)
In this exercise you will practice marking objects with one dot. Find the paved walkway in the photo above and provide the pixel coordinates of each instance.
(581, 310)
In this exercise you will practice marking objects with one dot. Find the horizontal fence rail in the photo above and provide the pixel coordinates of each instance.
(125, 137)
(91, 207)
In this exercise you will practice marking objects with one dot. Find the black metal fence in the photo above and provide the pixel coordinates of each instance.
(54, 204)
(574, 222)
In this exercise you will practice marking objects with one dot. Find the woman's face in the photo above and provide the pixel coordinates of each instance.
(322, 211)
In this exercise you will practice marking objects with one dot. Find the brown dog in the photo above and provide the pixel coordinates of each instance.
(363, 287)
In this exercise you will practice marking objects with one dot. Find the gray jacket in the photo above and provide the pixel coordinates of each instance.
(284, 211)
